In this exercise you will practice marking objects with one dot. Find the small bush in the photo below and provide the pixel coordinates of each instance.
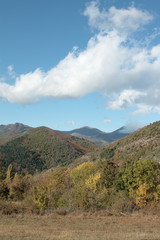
(4, 190)
(9, 208)
(120, 203)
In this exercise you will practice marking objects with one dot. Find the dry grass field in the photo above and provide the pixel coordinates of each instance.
(79, 226)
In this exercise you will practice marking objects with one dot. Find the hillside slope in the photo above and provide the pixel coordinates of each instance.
(42, 148)
(144, 143)
(11, 131)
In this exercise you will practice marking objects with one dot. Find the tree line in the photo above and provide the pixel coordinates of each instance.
(103, 184)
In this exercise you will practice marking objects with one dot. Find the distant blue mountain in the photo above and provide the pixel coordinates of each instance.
(97, 136)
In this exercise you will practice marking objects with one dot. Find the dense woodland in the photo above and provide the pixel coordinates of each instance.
(89, 186)
(123, 176)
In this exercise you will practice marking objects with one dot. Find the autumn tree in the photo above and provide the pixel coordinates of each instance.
(85, 179)
(108, 170)
(51, 190)
(139, 173)
(19, 186)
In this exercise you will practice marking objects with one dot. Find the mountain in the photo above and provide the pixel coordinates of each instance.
(141, 144)
(97, 136)
(11, 131)
(43, 148)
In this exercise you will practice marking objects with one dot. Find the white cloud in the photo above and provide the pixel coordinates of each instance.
(10, 68)
(71, 122)
(124, 20)
(128, 74)
(2, 79)
(11, 71)
(143, 109)
(107, 120)
(125, 99)
(132, 126)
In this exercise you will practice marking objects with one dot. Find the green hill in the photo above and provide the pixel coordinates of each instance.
(42, 148)
(142, 144)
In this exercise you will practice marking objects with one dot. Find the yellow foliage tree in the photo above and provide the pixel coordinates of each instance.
(92, 181)
(40, 197)
(51, 190)
(141, 198)
(82, 172)
(85, 180)
(9, 173)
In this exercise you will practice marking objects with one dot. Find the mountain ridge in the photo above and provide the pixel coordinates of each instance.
(97, 136)
(42, 148)
(50, 148)
(11, 131)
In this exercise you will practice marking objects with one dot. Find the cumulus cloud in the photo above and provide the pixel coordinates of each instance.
(125, 99)
(123, 20)
(107, 120)
(132, 126)
(71, 122)
(128, 74)
(11, 71)
(144, 109)
(2, 79)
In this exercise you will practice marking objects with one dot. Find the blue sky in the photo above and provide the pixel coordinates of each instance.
(68, 64)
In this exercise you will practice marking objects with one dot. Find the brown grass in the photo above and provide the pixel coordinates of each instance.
(79, 226)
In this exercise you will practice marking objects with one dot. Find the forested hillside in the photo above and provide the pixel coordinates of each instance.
(142, 144)
(42, 148)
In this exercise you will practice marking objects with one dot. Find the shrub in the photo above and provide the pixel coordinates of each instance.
(4, 191)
